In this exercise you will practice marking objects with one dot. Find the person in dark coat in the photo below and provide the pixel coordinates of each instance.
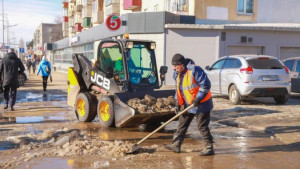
(10, 67)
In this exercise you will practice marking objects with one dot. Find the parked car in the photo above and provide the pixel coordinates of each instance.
(23, 77)
(250, 76)
(294, 66)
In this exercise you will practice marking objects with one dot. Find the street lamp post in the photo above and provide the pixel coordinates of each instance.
(3, 23)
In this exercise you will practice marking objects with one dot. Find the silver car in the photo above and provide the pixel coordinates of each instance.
(294, 66)
(250, 75)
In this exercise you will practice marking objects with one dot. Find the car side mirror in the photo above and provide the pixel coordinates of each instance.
(109, 72)
(207, 68)
(163, 69)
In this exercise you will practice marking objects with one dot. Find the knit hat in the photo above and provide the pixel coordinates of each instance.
(178, 59)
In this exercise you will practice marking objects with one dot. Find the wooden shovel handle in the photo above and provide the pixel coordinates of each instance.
(166, 123)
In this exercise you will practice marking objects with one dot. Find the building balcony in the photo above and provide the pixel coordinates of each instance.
(65, 25)
(79, 8)
(87, 11)
(110, 2)
(87, 22)
(72, 29)
(65, 33)
(86, 2)
(97, 17)
(65, 4)
(113, 9)
(78, 27)
(78, 17)
(72, 1)
(65, 19)
(131, 4)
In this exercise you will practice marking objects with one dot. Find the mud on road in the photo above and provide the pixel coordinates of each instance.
(43, 133)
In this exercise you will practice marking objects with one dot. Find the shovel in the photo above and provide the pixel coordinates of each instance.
(136, 146)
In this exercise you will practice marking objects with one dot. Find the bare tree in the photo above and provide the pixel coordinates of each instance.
(57, 32)
(29, 44)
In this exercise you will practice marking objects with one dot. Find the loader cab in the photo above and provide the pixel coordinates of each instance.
(130, 63)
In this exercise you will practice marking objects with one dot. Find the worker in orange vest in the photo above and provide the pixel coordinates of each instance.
(192, 87)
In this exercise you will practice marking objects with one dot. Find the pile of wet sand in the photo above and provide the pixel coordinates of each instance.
(150, 104)
(71, 143)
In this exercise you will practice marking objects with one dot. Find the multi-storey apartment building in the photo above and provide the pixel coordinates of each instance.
(203, 30)
(45, 33)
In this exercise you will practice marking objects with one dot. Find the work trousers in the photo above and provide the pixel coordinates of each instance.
(10, 95)
(185, 120)
(45, 79)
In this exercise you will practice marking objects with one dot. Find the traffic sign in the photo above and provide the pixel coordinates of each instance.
(3, 46)
(113, 22)
(22, 50)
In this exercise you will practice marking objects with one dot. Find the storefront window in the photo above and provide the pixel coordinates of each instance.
(65, 56)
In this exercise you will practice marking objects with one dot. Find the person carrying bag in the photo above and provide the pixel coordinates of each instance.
(45, 69)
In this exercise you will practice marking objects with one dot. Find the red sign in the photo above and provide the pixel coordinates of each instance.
(113, 22)
(3, 46)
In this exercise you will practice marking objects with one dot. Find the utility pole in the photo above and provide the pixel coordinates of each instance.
(3, 24)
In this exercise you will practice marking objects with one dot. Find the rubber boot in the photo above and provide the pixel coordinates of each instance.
(5, 106)
(175, 146)
(208, 149)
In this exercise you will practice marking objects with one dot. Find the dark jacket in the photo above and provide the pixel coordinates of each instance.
(10, 67)
(202, 81)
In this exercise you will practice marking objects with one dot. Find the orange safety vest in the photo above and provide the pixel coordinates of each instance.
(189, 88)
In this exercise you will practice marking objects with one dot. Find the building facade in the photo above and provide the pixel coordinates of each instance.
(45, 33)
(202, 30)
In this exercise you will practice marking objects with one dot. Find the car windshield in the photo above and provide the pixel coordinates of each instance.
(141, 65)
(265, 63)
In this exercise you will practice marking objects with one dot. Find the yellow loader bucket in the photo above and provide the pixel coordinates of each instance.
(73, 87)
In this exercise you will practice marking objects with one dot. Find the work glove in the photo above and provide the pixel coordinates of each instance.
(196, 102)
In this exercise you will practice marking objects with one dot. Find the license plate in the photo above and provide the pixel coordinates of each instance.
(270, 78)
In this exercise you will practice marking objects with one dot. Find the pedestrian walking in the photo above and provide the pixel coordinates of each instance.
(192, 87)
(28, 63)
(33, 65)
(45, 69)
(10, 67)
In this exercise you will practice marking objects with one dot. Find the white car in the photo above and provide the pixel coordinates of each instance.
(250, 75)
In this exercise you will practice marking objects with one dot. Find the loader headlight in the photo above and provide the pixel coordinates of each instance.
(152, 45)
(129, 45)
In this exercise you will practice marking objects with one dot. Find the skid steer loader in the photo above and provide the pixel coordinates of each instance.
(124, 69)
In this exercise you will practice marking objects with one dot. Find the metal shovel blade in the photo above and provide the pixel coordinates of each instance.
(136, 146)
(134, 149)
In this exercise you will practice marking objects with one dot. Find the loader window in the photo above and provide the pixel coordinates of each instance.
(110, 56)
(141, 65)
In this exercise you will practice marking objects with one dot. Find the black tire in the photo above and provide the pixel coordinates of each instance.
(281, 99)
(105, 112)
(234, 95)
(21, 79)
(85, 108)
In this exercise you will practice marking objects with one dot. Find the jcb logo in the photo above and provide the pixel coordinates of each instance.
(100, 80)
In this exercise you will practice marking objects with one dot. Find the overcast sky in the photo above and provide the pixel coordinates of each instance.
(28, 15)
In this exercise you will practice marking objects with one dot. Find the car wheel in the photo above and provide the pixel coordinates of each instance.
(234, 95)
(105, 111)
(21, 79)
(281, 99)
(84, 107)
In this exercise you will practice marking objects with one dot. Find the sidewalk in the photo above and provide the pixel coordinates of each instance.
(59, 81)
